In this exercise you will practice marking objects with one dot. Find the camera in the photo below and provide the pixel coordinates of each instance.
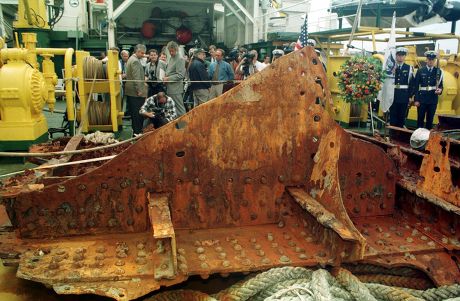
(247, 60)
(249, 57)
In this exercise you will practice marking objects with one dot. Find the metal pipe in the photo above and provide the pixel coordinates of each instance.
(68, 53)
(27, 9)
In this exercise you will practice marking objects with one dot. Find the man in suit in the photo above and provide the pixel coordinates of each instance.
(135, 87)
(404, 86)
(428, 86)
(174, 77)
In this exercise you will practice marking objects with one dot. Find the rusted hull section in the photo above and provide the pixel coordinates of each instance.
(257, 178)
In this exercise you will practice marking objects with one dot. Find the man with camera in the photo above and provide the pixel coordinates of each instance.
(220, 72)
(249, 64)
(159, 108)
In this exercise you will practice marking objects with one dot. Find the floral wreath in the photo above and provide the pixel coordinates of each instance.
(360, 79)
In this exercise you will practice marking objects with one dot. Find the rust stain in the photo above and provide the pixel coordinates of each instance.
(257, 178)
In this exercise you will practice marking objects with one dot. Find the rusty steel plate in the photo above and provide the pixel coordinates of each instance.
(259, 177)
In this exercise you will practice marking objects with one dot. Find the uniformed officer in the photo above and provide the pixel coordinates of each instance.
(428, 86)
(277, 53)
(404, 82)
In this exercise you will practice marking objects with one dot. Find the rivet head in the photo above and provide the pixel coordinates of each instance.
(99, 257)
(204, 265)
(237, 247)
(82, 187)
(141, 260)
(202, 257)
(263, 180)
(389, 195)
(139, 208)
(53, 265)
(226, 263)
(105, 185)
(78, 257)
(200, 250)
(61, 188)
(281, 178)
(284, 259)
(119, 263)
(390, 175)
(78, 264)
(222, 255)
(196, 181)
(140, 246)
(265, 260)
(303, 256)
(183, 267)
(383, 206)
(101, 249)
(247, 180)
(130, 222)
(141, 253)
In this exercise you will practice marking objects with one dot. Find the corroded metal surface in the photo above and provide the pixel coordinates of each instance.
(257, 178)
(435, 170)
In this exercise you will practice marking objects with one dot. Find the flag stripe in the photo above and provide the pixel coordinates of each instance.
(302, 41)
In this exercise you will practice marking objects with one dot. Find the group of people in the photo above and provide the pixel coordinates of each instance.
(425, 88)
(154, 86)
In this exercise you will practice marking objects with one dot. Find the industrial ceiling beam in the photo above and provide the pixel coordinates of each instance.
(2, 24)
(13, 2)
(234, 11)
(245, 11)
(120, 9)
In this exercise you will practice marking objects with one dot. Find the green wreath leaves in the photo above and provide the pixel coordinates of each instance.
(360, 79)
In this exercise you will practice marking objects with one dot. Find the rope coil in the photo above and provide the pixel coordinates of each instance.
(301, 284)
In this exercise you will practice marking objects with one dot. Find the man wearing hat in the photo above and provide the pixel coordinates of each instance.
(199, 77)
(404, 82)
(277, 53)
(428, 86)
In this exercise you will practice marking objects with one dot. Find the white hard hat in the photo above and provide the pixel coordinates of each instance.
(419, 138)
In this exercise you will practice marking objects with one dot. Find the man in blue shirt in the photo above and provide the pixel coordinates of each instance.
(219, 72)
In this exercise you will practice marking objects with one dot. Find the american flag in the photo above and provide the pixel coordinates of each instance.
(302, 41)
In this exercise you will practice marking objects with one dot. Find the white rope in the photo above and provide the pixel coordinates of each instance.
(294, 289)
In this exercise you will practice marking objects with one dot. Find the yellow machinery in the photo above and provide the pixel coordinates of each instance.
(104, 80)
(24, 90)
(346, 115)
(31, 14)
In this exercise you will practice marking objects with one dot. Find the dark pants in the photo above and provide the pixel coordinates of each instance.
(134, 105)
(158, 121)
(428, 110)
(398, 112)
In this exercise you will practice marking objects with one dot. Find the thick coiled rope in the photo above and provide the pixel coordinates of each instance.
(300, 284)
